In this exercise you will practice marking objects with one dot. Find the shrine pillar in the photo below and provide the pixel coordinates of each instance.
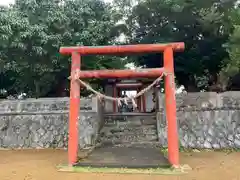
(114, 95)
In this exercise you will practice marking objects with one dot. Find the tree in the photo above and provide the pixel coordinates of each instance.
(32, 32)
(204, 26)
(230, 73)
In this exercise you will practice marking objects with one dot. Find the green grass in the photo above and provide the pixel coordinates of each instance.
(157, 171)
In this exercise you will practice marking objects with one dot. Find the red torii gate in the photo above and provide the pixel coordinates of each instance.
(167, 49)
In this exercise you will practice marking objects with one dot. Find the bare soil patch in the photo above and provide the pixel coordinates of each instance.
(41, 164)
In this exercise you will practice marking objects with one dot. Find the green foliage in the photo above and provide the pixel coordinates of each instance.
(31, 32)
(203, 25)
(232, 64)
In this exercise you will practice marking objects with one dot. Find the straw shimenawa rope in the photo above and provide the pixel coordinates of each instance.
(119, 99)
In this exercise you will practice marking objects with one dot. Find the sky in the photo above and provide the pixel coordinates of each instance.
(6, 2)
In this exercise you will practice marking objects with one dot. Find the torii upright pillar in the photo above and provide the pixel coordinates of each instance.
(170, 103)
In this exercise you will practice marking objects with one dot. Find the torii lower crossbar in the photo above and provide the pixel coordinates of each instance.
(125, 73)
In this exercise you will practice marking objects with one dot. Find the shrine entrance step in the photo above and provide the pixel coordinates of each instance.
(129, 128)
(125, 156)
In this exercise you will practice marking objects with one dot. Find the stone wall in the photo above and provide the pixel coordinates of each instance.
(205, 120)
(43, 123)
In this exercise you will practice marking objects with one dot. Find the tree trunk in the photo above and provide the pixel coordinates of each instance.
(37, 89)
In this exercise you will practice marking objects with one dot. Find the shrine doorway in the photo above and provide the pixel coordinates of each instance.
(129, 107)
(128, 88)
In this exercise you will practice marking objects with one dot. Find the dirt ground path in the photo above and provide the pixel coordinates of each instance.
(41, 165)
